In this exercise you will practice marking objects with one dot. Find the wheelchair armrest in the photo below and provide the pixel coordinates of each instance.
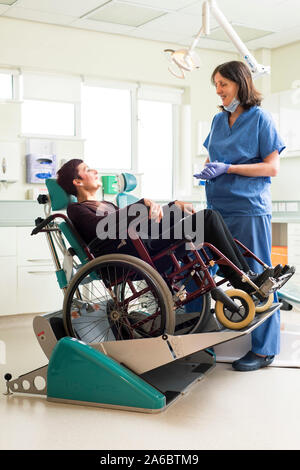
(41, 225)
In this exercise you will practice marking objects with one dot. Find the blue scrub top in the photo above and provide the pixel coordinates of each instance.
(251, 139)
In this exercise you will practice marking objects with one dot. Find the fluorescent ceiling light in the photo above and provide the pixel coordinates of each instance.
(244, 32)
(121, 13)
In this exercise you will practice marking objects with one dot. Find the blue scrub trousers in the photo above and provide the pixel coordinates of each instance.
(255, 232)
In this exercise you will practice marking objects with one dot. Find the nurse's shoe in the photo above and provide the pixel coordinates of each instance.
(252, 361)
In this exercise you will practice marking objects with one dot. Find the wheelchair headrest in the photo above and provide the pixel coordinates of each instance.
(127, 182)
(58, 196)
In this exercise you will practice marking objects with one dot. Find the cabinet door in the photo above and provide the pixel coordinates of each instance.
(9, 160)
(8, 285)
(32, 250)
(8, 241)
(38, 290)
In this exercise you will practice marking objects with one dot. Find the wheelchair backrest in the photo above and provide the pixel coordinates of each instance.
(59, 201)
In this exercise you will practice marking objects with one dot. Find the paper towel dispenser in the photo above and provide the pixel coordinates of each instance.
(40, 167)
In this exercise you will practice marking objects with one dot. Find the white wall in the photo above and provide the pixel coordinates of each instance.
(44, 47)
(285, 76)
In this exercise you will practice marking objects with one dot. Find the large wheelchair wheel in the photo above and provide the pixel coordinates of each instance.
(240, 319)
(117, 297)
(192, 317)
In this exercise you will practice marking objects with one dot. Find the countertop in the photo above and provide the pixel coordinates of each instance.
(23, 213)
(20, 213)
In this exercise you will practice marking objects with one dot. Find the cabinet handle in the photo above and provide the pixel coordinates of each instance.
(4, 166)
(40, 272)
(38, 260)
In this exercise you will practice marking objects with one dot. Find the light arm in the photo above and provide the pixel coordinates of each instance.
(187, 59)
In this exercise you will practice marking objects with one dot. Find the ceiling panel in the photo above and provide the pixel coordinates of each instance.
(176, 23)
(101, 26)
(245, 33)
(74, 8)
(164, 4)
(3, 8)
(39, 16)
(180, 21)
(124, 13)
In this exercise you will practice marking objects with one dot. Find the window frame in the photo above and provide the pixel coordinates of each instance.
(15, 84)
(137, 91)
(132, 87)
(75, 102)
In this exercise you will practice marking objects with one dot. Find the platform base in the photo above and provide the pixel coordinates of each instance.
(79, 374)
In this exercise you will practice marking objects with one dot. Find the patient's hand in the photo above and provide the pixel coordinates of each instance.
(155, 210)
(186, 207)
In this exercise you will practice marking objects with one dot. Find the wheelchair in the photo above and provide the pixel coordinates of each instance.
(120, 297)
(132, 336)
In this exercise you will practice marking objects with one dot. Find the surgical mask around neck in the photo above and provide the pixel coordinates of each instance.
(232, 106)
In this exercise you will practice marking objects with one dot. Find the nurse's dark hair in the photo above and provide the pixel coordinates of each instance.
(239, 73)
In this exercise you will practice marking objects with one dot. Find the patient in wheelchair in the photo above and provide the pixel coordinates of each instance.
(103, 226)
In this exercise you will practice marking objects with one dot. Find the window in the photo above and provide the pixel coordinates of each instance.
(51, 104)
(106, 126)
(6, 86)
(155, 148)
(48, 118)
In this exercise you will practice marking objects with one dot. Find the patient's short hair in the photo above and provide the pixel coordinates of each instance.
(67, 173)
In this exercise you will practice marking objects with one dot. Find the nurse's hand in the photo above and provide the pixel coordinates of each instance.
(212, 170)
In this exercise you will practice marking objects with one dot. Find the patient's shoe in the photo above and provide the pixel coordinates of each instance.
(252, 361)
(258, 279)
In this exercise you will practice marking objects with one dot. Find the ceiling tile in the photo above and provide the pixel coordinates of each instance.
(122, 13)
(101, 26)
(162, 36)
(244, 32)
(39, 16)
(163, 4)
(74, 8)
(176, 23)
(179, 24)
(7, 2)
(3, 8)
(276, 40)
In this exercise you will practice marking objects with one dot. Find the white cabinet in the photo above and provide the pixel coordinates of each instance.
(28, 282)
(8, 236)
(38, 290)
(8, 270)
(8, 286)
(10, 161)
(32, 249)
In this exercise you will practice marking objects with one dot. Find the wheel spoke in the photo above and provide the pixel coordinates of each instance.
(123, 303)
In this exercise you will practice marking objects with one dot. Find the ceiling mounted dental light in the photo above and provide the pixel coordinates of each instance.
(187, 60)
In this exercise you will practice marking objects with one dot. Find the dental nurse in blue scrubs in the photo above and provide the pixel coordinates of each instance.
(244, 147)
